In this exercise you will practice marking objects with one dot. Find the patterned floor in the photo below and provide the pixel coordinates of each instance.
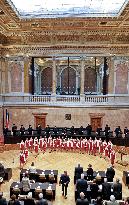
(60, 161)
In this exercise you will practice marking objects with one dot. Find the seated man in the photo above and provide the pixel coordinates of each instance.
(81, 185)
(106, 190)
(117, 190)
(2, 172)
(110, 173)
(112, 201)
(82, 200)
(26, 184)
(2, 199)
(41, 201)
(78, 171)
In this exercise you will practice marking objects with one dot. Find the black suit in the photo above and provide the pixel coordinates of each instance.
(110, 174)
(3, 201)
(94, 190)
(81, 186)
(14, 130)
(78, 172)
(82, 202)
(90, 173)
(117, 190)
(106, 190)
(42, 202)
(64, 180)
(22, 130)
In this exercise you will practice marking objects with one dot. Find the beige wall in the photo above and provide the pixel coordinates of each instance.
(80, 116)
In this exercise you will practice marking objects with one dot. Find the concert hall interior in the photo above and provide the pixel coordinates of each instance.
(64, 97)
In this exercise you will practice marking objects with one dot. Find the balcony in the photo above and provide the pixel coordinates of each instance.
(15, 99)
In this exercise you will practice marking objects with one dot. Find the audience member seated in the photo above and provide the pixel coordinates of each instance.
(110, 173)
(29, 200)
(81, 185)
(2, 199)
(32, 168)
(126, 201)
(99, 201)
(78, 171)
(112, 201)
(106, 190)
(94, 189)
(41, 201)
(82, 200)
(117, 190)
(26, 184)
(89, 172)
(13, 200)
(2, 173)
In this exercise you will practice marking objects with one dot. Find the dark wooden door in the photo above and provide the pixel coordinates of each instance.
(40, 120)
(95, 122)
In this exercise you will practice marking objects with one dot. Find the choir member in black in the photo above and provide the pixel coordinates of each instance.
(126, 131)
(98, 130)
(72, 130)
(39, 129)
(89, 129)
(22, 130)
(55, 130)
(64, 181)
(118, 131)
(14, 130)
(106, 130)
(30, 130)
(80, 130)
(47, 130)
(5, 131)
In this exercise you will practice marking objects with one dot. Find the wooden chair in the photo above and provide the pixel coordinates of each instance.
(51, 178)
(42, 178)
(37, 192)
(49, 194)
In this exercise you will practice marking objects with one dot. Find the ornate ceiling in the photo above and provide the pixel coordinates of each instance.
(37, 37)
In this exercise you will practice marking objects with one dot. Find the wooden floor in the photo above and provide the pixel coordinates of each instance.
(60, 161)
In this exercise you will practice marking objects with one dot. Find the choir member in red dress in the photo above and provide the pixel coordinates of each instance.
(22, 160)
(27, 143)
(22, 145)
(112, 157)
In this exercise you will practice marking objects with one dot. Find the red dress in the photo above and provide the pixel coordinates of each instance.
(36, 148)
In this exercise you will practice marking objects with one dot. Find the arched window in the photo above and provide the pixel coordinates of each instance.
(68, 81)
(46, 80)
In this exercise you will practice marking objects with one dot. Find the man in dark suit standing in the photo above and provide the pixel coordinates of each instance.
(82, 200)
(90, 172)
(5, 131)
(110, 173)
(88, 130)
(39, 129)
(118, 131)
(64, 181)
(55, 130)
(106, 190)
(22, 130)
(14, 129)
(81, 185)
(106, 130)
(47, 130)
(117, 190)
(78, 172)
(30, 130)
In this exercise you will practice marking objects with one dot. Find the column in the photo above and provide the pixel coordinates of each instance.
(82, 77)
(54, 77)
(111, 76)
(26, 74)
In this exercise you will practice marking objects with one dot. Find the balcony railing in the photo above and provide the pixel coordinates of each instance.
(62, 100)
